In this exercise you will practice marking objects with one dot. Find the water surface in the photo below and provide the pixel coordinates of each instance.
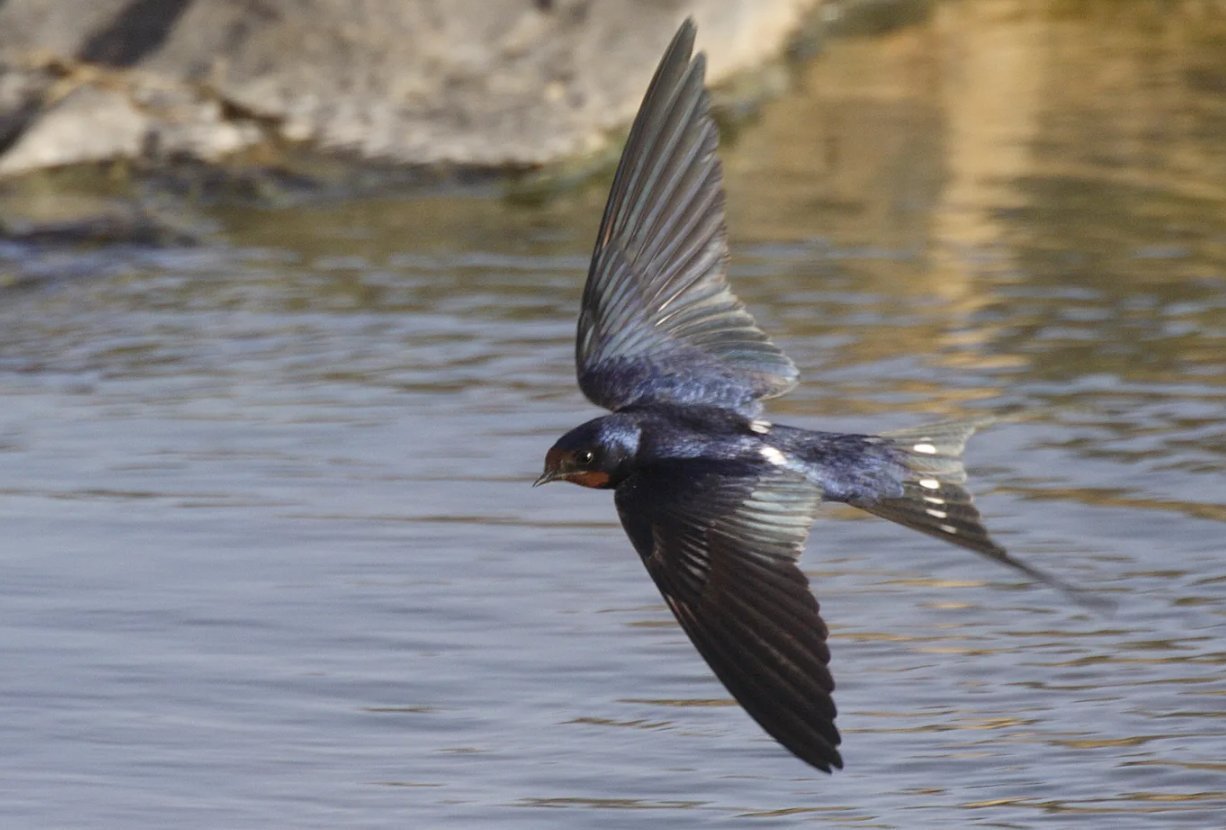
(270, 557)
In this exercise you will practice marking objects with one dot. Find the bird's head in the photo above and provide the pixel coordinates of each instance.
(596, 454)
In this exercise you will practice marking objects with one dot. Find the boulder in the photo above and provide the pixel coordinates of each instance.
(466, 83)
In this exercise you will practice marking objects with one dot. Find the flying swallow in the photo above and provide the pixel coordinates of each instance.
(717, 500)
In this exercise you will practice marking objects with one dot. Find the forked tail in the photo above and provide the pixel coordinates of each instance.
(935, 502)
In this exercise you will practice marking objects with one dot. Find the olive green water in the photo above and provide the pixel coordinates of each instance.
(270, 558)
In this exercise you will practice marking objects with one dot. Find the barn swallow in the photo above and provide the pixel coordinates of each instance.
(717, 500)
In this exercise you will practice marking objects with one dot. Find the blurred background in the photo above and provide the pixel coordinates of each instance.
(287, 303)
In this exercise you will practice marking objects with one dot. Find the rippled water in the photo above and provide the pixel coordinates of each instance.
(270, 557)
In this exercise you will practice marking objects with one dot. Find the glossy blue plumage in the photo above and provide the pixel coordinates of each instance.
(658, 321)
(717, 502)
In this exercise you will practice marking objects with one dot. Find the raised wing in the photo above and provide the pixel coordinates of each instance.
(659, 323)
(721, 542)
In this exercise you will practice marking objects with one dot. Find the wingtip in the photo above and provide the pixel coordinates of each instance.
(828, 764)
(686, 33)
(822, 756)
(681, 48)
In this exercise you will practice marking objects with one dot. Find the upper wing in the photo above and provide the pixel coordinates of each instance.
(721, 543)
(659, 323)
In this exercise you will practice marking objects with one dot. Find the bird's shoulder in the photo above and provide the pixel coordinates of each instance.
(695, 438)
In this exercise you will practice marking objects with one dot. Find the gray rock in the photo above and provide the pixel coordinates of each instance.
(88, 124)
(480, 83)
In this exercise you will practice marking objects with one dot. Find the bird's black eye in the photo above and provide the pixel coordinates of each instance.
(584, 457)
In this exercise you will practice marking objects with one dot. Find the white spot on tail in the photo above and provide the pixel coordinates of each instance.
(930, 484)
(760, 426)
(934, 499)
(936, 514)
(948, 528)
(926, 449)
(774, 456)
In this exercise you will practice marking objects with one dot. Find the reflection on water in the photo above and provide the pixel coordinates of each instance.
(271, 558)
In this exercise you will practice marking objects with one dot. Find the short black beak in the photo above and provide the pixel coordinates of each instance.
(546, 477)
